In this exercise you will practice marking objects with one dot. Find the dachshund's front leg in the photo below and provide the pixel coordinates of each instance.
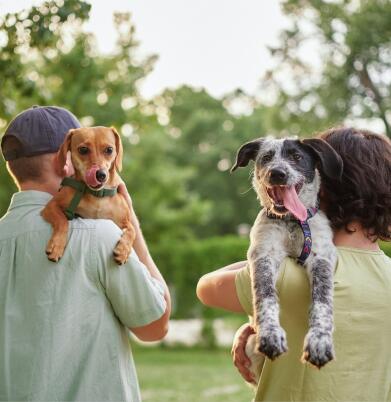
(124, 246)
(53, 214)
(271, 338)
(318, 343)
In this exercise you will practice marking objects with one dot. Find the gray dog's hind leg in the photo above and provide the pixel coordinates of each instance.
(271, 338)
(318, 343)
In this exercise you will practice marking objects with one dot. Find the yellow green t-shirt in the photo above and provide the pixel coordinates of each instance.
(362, 335)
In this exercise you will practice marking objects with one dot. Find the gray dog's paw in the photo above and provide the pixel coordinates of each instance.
(272, 342)
(318, 348)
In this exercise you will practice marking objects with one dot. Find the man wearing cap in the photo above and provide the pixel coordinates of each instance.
(64, 326)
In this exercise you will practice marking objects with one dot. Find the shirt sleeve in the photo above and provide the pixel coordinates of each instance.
(135, 296)
(243, 289)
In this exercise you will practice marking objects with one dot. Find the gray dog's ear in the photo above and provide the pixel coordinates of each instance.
(331, 163)
(246, 153)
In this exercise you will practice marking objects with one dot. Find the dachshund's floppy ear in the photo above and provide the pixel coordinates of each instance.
(246, 152)
(119, 150)
(331, 163)
(61, 157)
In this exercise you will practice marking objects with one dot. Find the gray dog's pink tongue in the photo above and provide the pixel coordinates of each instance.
(292, 202)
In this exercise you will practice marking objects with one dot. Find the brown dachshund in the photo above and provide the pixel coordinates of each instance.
(96, 154)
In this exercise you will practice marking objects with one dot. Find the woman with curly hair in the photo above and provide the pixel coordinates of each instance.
(359, 210)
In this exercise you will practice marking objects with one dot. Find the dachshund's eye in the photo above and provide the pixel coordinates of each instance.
(83, 150)
(267, 157)
(108, 150)
(296, 156)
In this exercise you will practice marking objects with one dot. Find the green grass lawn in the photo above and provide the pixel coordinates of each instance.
(189, 375)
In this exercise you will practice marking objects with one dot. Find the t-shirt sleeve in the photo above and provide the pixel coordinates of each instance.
(243, 289)
(135, 296)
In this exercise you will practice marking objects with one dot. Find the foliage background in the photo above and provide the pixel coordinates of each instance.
(180, 145)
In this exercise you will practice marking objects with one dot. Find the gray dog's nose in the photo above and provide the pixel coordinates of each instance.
(277, 176)
(101, 175)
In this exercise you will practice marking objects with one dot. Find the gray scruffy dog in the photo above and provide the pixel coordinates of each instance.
(287, 181)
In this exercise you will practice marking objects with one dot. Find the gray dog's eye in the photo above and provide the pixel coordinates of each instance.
(109, 150)
(267, 157)
(83, 150)
(296, 156)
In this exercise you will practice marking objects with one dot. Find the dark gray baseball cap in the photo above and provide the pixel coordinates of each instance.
(38, 130)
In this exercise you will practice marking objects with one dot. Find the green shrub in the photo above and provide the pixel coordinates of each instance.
(182, 264)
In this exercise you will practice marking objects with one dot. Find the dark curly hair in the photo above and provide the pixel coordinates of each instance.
(364, 193)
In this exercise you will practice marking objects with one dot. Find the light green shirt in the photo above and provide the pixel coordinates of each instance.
(362, 336)
(63, 326)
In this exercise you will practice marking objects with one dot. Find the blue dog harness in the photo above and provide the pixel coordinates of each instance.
(305, 227)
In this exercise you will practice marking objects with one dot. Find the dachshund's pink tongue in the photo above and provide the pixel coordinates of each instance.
(292, 202)
(91, 176)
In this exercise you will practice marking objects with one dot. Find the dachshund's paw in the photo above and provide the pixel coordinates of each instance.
(55, 248)
(318, 348)
(121, 252)
(272, 342)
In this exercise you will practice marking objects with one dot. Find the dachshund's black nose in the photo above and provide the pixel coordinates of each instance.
(101, 175)
(277, 176)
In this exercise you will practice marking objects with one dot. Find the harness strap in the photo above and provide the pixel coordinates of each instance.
(71, 208)
(81, 189)
(305, 227)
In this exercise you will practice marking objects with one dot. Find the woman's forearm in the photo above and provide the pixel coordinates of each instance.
(218, 289)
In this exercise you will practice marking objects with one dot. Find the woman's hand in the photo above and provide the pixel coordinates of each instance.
(238, 352)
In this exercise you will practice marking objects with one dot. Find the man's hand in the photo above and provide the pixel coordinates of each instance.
(238, 352)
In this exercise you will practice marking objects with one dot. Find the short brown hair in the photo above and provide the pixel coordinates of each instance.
(364, 192)
(31, 168)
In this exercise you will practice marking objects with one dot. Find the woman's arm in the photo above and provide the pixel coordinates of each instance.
(217, 288)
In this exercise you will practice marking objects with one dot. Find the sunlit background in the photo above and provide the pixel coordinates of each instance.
(186, 83)
(199, 43)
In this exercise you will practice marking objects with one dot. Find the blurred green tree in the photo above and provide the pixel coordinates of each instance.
(207, 134)
(332, 64)
(25, 40)
(59, 64)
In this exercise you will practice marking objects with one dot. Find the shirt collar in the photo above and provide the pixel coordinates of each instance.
(29, 198)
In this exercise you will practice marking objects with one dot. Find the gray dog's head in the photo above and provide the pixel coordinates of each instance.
(286, 176)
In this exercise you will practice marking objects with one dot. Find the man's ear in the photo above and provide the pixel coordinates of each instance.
(61, 157)
(246, 153)
(119, 150)
(331, 163)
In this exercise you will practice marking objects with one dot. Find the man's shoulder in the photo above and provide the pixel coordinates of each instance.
(102, 229)
(103, 233)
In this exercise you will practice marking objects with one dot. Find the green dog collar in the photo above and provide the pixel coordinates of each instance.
(81, 189)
